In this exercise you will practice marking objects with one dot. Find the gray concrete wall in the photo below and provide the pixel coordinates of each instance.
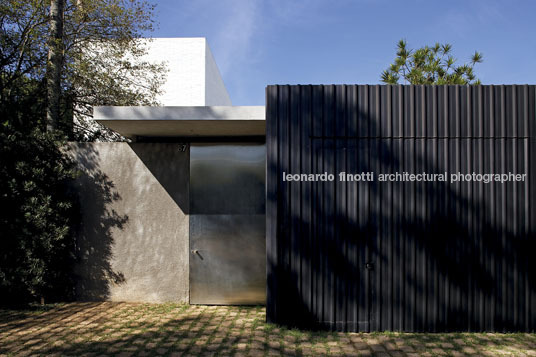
(134, 239)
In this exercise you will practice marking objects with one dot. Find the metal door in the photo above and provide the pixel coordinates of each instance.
(227, 224)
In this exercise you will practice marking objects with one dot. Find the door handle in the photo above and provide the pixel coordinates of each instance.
(196, 252)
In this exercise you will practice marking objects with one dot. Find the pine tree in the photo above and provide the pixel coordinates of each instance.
(430, 65)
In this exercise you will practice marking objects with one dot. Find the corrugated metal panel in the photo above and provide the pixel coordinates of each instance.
(408, 256)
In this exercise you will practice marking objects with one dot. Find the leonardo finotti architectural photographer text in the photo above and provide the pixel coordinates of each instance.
(407, 177)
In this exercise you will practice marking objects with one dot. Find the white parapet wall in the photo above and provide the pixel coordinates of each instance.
(193, 78)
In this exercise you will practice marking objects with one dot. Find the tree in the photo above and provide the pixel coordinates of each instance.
(101, 60)
(55, 54)
(92, 55)
(39, 212)
(430, 65)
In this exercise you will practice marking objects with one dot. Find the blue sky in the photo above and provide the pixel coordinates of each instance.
(256, 43)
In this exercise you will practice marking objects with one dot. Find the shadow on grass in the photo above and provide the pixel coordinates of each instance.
(163, 329)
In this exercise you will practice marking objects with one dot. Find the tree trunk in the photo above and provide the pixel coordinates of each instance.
(54, 63)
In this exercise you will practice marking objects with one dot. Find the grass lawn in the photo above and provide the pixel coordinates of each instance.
(127, 329)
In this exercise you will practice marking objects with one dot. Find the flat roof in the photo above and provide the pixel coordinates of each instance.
(183, 121)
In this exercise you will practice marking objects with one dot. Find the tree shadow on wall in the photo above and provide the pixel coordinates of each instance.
(174, 175)
(94, 273)
(366, 256)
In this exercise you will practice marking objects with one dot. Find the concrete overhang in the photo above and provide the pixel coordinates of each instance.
(183, 121)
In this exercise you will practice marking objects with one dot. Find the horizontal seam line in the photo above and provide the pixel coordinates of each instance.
(419, 137)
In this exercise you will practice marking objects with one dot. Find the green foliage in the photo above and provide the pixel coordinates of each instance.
(102, 65)
(430, 65)
(102, 60)
(38, 213)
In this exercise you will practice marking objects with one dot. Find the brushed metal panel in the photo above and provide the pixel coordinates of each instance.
(227, 178)
(227, 223)
(227, 259)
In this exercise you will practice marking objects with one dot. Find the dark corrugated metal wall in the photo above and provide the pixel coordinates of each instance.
(435, 256)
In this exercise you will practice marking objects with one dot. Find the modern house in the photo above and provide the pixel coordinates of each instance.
(197, 208)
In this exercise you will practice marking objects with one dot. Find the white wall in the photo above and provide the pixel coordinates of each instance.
(193, 78)
(215, 91)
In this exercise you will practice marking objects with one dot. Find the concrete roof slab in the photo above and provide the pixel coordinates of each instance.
(183, 121)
